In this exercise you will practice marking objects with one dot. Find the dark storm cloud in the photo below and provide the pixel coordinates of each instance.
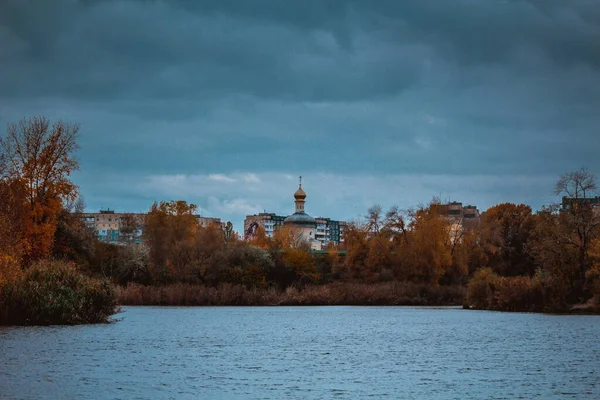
(465, 87)
(157, 49)
(309, 50)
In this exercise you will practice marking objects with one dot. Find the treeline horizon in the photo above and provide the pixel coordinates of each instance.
(53, 268)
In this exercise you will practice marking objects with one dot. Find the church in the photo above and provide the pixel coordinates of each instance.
(302, 223)
(317, 232)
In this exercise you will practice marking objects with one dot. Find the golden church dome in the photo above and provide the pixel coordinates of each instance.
(300, 194)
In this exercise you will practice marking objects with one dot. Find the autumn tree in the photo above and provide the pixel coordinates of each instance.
(245, 264)
(333, 256)
(302, 263)
(378, 258)
(396, 225)
(286, 237)
(129, 226)
(39, 155)
(579, 213)
(205, 261)
(427, 254)
(374, 219)
(550, 245)
(260, 238)
(133, 264)
(593, 273)
(73, 239)
(356, 242)
(229, 233)
(13, 214)
(170, 231)
(506, 229)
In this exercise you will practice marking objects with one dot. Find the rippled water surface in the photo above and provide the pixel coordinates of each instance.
(306, 352)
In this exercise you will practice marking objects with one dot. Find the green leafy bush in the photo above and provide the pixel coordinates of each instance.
(51, 293)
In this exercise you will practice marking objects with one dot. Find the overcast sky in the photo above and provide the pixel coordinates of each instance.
(224, 103)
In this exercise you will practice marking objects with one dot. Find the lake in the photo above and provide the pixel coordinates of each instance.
(305, 352)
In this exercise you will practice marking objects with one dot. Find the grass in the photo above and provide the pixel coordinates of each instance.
(392, 293)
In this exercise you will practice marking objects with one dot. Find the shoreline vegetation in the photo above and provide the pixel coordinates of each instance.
(334, 294)
(55, 293)
(54, 270)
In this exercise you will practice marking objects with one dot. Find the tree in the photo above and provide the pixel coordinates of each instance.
(40, 156)
(286, 237)
(553, 247)
(302, 263)
(593, 274)
(579, 213)
(576, 185)
(374, 221)
(426, 256)
(129, 226)
(73, 239)
(205, 254)
(260, 238)
(378, 256)
(13, 212)
(170, 231)
(333, 256)
(241, 263)
(467, 256)
(229, 234)
(395, 224)
(506, 229)
(133, 264)
(357, 250)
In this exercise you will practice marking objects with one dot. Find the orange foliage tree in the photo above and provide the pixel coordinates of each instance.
(295, 255)
(206, 261)
(260, 239)
(170, 230)
(302, 263)
(12, 218)
(356, 242)
(286, 237)
(579, 215)
(506, 228)
(593, 274)
(39, 157)
(426, 254)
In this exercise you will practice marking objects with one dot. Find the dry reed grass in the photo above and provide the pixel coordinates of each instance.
(390, 293)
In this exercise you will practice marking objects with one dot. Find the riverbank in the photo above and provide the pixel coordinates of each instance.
(392, 293)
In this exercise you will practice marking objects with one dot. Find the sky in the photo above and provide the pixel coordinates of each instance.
(224, 104)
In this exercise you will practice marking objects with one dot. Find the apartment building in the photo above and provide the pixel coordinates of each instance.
(108, 225)
(329, 230)
(318, 232)
(464, 215)
(568, 202)
(267, 221)
(460, 218)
